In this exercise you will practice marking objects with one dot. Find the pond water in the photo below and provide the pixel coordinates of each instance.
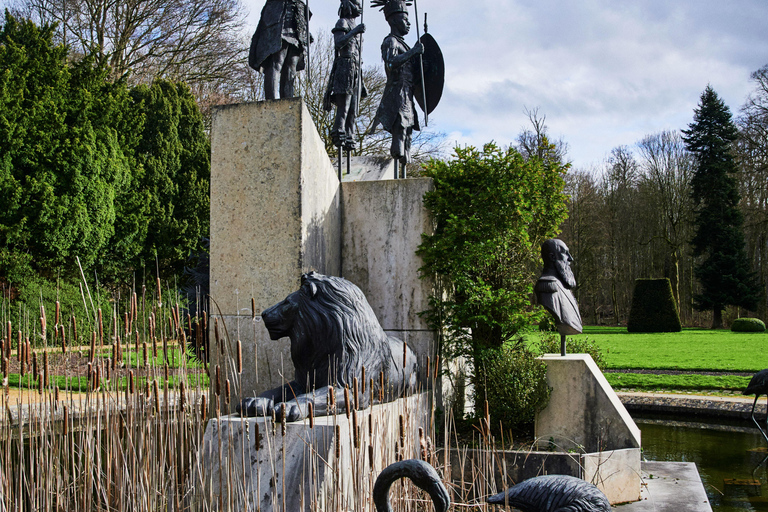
(732, 459)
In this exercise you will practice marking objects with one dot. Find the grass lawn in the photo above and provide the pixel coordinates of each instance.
(691, 349)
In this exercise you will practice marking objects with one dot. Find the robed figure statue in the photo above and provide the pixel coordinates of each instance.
(280, 44)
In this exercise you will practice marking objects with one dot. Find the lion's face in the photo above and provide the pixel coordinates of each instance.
(280, 318)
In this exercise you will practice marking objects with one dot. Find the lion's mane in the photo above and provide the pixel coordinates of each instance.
(335, 329)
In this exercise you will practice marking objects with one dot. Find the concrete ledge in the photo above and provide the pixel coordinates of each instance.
(670, 487)
(252, 465)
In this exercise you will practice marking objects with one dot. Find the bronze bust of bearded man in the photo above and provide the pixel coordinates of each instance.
(553, 289)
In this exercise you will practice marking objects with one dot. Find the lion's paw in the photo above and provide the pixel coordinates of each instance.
(256, 406)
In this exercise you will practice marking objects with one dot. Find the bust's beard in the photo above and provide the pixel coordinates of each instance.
(565, 274)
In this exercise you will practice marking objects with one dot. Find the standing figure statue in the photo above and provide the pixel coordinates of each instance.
(280, 45)
(345, 86)
(553, 289)
(397, 111)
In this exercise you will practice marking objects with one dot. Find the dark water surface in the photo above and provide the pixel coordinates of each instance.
(721, 453)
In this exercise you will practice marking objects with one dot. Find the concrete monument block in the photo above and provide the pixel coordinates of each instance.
(382, 228)
(274, 215)
(584, 413)
(252, 465)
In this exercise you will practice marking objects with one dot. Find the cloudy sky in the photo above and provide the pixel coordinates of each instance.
(605, 73)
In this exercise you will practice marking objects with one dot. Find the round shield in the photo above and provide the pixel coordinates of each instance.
(434, 74)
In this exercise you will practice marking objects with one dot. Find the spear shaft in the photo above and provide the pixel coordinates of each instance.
(421, 67)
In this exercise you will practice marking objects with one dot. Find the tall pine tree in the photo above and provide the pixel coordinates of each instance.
(723, 270)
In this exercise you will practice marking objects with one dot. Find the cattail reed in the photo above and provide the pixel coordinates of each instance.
(370, 456)
(422, 444)
(347, 405)
(92, 355)
(66, 421)
(381, 386)
(405, 355)
(42, 332)
(239, 357)
(182, 396)
(34, 363)
(100, 323)
(131, 382)
(63, 339)
(28, 351)
(402, 430)
(437, 365)
(283, 420)
(218, 380)
(57, 316)
(228, 392)
(19, 347)
(338, 442)
(159, 293)
(39, 384)
(44, 321)
(154, 347)
(145, 354)
(356, 393)
(204, 412)
(331, 401)
(355, 430)
(5, 366)
(46, 374)
(9, 335)
(74, 328)
(311, 413)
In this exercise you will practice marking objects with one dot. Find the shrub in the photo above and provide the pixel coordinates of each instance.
(550, 344)
(515, 385)
(653, 307)
(748, 325)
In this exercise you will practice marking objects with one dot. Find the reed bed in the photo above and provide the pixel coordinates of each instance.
(123, 429)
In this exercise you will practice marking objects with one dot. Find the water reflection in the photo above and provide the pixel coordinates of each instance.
(731, 459)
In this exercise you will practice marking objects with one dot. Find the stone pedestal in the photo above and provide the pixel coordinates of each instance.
(327, 467)
(274, 215)
(585, 415)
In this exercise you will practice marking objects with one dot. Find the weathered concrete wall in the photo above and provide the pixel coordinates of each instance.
(274, 215)
(251, 467)
(382, 226)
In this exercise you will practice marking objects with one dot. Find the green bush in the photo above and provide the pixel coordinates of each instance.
(550, 344)
(653, 307)
(748, 325)
(514, 384)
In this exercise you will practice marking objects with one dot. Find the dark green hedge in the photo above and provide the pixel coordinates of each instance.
(748, 325)
(653, 307)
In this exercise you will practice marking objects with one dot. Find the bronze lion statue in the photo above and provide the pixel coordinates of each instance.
(334, 336)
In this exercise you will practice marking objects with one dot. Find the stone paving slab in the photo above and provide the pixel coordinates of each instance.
(669, 486)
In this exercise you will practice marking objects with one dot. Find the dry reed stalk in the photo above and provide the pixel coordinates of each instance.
(74, 328)
(100, 323)
(19, 346)
(92, 354)
(347, 405)
(239, 357)
(46, 381)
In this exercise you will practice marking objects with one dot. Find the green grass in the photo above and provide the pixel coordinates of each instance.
(691, 349)
(646, 382)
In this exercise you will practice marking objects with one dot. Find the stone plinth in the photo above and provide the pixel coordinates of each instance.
(250, 467)
(274, 215)
(382, 226)
(585, 415)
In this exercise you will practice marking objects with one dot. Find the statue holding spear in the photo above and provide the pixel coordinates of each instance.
(405, 75)
(345, 85)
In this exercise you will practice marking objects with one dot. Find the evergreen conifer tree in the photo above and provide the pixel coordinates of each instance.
(723, 271)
